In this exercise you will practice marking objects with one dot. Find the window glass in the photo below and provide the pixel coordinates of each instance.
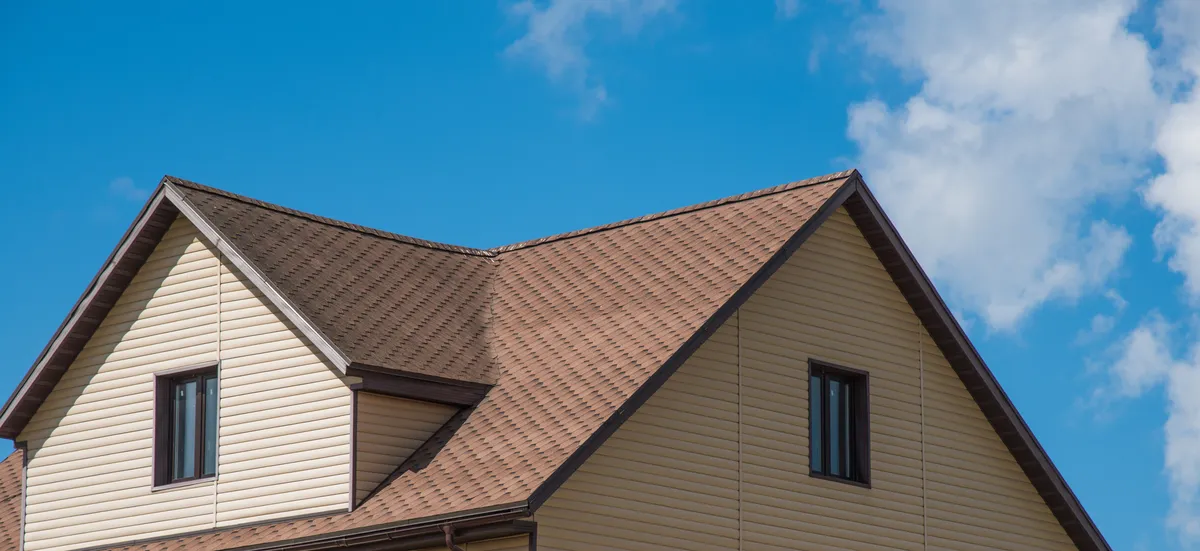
(815, 406)
(210, 426)
(184, 437)
(837, 413)
(836, 428)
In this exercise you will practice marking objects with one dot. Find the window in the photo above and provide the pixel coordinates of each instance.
(838, 423)
(185, 426)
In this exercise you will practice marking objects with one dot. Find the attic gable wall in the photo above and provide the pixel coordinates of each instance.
(284, 415)
(692, 469)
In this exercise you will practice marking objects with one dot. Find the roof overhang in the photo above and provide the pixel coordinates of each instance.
(156, 216)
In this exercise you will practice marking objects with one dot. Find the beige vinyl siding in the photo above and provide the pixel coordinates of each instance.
(669, 477)
(284, 415)
(389, 430)
(518, 543)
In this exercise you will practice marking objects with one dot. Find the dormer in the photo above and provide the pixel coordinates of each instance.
(211, 378)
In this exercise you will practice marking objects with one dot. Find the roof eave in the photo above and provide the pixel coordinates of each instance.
(13, 416)
(118, 270)
(938, 320)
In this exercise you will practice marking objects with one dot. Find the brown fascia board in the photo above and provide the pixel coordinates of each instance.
(428, 389)
(952, 341)
(492, 522)
(85, 316)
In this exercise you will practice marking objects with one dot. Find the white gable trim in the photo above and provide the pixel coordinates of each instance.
(260, 281)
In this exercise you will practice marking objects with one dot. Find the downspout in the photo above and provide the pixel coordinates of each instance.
(449, 531)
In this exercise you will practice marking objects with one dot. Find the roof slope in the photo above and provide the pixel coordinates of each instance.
(10, 500)
(385, 300)
(575, 331)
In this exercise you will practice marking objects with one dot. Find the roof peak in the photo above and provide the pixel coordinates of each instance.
(495, 251)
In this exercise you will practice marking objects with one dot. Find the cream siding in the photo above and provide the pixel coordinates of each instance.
(670, 476)
(389, 430)
(284, 414)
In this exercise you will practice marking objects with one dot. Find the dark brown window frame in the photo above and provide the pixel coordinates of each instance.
(860, 426)
(163, 443)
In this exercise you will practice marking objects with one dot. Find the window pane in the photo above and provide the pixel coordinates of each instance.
(184, 430)
(836, 427)
(210, 426)
(847, 425)
(814, 423)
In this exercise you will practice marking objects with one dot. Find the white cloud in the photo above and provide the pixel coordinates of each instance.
(787, 9)
(1176, 195)
(1146, 360)
(124, 188)
(557, 33)
(1029, 113)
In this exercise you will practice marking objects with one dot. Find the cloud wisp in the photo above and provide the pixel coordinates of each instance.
(1027, 115)
(558, 32)
(124, 188)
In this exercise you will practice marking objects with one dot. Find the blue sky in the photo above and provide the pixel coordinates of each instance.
(1062, 134)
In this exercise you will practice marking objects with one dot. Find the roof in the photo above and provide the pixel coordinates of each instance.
(574, 332)
(10, 499)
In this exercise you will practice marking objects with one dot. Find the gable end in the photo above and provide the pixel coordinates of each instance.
(950, 338)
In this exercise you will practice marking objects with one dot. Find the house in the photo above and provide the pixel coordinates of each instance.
(763, 372)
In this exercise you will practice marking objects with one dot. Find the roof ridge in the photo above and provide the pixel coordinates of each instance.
(330, 221)
(495, 251)
(678, 211)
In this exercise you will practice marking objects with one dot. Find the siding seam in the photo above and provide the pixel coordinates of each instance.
(217, 437)
(738, 321)
(924, 476)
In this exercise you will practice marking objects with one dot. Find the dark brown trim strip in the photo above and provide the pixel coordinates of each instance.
(739, 297)
(952, 341)
(403, 386)
(488, 524)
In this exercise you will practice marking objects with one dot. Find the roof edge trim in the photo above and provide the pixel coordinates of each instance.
(393, 531)
(135, 229)
(991, 384)
(677, 359)
(277, 298)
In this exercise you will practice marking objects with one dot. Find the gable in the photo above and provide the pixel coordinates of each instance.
(89, 445)
(720, 453)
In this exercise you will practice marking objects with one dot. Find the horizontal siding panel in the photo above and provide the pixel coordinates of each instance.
(669, 477)
(90, 458)
(388, 431)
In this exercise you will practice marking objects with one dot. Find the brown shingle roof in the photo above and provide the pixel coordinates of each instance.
(574, 331)
(385, 300)
(582, 320)
(10, 500)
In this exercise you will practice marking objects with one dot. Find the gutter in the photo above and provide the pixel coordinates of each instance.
(428, 532)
